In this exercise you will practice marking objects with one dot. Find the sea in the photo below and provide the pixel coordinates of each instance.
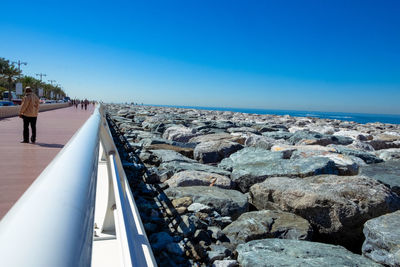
(356, 117)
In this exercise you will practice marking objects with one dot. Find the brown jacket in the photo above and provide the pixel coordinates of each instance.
(30, 105)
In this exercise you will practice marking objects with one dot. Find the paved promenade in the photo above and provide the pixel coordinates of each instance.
(21, 164)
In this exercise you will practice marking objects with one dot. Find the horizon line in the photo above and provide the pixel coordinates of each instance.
(260, 109)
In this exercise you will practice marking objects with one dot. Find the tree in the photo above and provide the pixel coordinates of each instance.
(8, 72)
(29, 81)
(3, 66)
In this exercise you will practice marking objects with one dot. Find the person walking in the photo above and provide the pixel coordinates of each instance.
(86, 102)
(29, 112)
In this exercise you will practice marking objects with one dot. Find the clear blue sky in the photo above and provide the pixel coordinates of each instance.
(305, 55)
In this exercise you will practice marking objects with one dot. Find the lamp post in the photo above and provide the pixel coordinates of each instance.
(10, 78)
(19, 63)
(52, 83)
(41, 75)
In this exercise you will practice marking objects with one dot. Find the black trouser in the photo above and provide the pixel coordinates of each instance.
(32, 122)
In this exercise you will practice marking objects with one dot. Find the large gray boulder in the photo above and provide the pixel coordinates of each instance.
(285, 252)
(169, 155)
(219, 124)
(242, 130)
(270, 127)
(322, 128)
(336, 206)
(355, 135)
(382, 144)
(149, 142)
(346, 165)
(195, 178)
(253, 165)
(314, 138)
(225, 202)
(247, 175)
(139, 134)
(260, 141)
(305, 135)
(289, 149)
(185, 151)
(388, 137)
(278, 135)
(359, 145)
(368, 157)
(248, 156)
(123, 112)
(382, 239)
(267, 224)
(215, 151)
(389, 154)
(387, 172)
(216, 137)
(179, 133)
(178, 166)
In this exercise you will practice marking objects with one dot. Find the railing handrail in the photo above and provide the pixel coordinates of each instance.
(52, 223)
(135, 247)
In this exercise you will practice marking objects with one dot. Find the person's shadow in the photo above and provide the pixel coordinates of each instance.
(50, 145)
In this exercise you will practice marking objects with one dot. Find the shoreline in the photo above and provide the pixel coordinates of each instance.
(363, 118)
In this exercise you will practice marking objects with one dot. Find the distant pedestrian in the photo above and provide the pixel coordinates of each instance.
(81, 104)
(86, 102)
(76, 103)
(29, 112)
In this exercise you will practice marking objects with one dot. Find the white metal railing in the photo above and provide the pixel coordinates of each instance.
(136, 250)
(52, 224)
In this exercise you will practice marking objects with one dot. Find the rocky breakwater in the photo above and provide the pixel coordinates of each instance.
(239, 185)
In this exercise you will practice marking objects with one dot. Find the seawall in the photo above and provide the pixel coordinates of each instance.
(11, 111)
